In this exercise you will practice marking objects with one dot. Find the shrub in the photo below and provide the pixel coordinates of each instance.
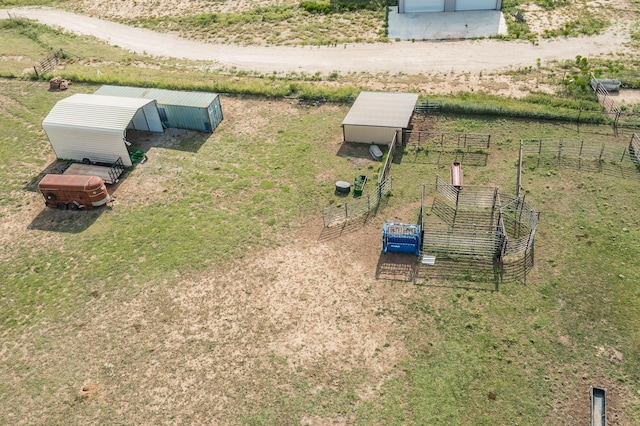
(316, 8)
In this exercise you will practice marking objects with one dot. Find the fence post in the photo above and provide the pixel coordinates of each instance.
(493, 208)
(578, 121)
(601, 152)
(624, 152)
(559, 150)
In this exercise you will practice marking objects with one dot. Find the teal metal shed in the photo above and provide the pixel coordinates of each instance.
(178, 109)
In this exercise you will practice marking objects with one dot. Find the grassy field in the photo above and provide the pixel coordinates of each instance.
(210, 292)
(164, 308)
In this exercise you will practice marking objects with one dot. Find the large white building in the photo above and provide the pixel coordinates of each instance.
(418, 6)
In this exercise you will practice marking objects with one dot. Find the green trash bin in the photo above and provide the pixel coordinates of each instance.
(358, 185)
(137, 155)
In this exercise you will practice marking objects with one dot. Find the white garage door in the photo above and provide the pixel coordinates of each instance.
(476, 5)
(414, 6)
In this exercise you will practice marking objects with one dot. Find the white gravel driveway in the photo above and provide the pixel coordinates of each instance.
(393, 57)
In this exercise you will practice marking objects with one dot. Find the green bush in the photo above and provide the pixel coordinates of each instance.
(316, 8)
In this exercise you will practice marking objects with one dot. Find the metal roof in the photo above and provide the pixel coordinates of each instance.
(162, 96)
(109, 113)
(381, 109)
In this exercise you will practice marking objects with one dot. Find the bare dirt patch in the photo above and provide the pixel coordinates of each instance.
(201, 343)
(627, 96)
(298, 319)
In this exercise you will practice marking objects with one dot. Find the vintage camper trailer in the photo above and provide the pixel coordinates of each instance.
(73, 192)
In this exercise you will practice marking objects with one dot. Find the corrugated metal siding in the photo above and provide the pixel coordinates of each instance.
(162, 96)
(182, 117)
(476, 5)
(215, 113)
(180, 109)
(96, 144)
(417, 6)
(92, 111)
(147, 119)
(93, 126)
(369, 134)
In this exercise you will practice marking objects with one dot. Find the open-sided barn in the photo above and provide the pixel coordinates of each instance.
(376, 117)
(199, 111)
(95, 127)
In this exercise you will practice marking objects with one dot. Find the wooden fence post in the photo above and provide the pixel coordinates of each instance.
(601, 152)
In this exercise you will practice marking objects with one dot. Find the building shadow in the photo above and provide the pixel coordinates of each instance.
(56, 167)
(358, 150)
(66, 221)
(178, 139)
(467, 273)
(397, 267)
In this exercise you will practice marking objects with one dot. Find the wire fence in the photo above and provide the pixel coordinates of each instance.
(363, 206)
(446, 140)
(358, 207)
(599, 156)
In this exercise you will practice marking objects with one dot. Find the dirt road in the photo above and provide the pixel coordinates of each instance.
(411, 58)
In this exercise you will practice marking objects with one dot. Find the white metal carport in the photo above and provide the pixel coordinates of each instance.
(95, 127)
(375, 117)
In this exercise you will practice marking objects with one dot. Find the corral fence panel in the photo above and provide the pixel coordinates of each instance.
(634, 150)
(357, 207)
(469, 197)
(385, 171)
(480, 240)
(479, 222)
(446, 140)
(48, 63)
(571, 148)
(598, 152)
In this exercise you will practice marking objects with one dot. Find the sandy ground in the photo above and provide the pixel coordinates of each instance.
(410, 58)
(208, 346)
